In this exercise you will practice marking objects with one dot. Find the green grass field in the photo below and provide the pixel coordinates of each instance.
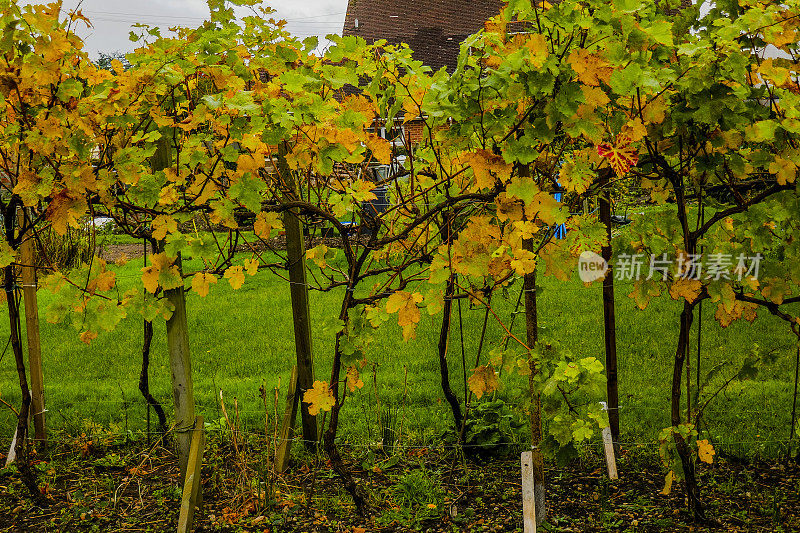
(241, 339)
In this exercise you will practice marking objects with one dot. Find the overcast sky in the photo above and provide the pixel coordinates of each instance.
(112, 19)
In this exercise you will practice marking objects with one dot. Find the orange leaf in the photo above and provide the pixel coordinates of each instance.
(380, 148)
(686, 288)
(65, 210)
(487, 167)
(621, 158)
(88, 336)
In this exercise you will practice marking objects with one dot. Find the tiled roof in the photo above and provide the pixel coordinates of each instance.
(433, 28)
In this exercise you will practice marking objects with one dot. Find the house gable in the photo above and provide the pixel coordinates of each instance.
(433, 29)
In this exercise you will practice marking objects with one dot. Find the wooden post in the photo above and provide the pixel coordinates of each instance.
(180, 362)
(611, 460)
(532, 337)
(192, 493)
(609, 316)
(284, 449)
(296, 256)
(29, 286)
(528, 499)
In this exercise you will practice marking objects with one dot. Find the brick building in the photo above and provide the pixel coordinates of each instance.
(433, 29)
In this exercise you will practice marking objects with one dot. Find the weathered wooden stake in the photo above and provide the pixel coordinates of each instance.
(181, 365)
(528, 499)
(609, 313)
(611, 460)
(532, 337)
(301, 315)
(28, 272)
(192, 493)
(283, 452)
(180, 362)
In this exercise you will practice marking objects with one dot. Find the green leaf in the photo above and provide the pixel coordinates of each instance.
(661, 32)
(763, 130)
(69, 88)
(248, 191)
(523, 188)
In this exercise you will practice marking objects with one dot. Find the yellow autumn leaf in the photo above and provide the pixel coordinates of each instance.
(537, 46)
(169, 195)
(594, 96)
(545, 207)
(319, 255)
(405, 305)
(162, 225)
(728, 223)
(361, 191)
(524, 262)
(634, 131)
(161, 271)
(353, 379)
(235, 276)
(668, 479)
(411, 108)
(483, 381)
(726, 315)
(103, 282)
(380, 148)
(785, 171)
(201, 283)
(590, 68)
(265, 223)
(487, 167)
(689, 289)
(65, 210)
(655, 110)
(319, 398)
(643, 291)
(251, 266)
(774, 73)
(705, 451)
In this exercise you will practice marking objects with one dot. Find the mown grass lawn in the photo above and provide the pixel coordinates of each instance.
(243, 339)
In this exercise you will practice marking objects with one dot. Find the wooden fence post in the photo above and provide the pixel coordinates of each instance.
(611, 460)
(296, 256)
(29, 285)
(609, 316)
(192, 491)
(528, 499)
(180, 362)
(283, 451)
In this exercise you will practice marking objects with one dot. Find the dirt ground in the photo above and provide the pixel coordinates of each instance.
(91, 485)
